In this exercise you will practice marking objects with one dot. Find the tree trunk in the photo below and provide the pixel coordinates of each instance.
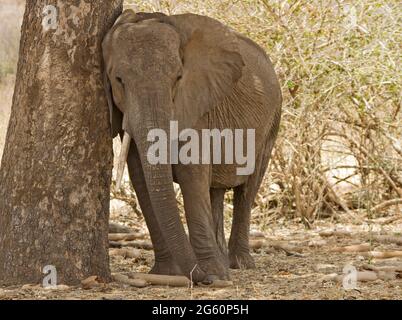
(56, 167)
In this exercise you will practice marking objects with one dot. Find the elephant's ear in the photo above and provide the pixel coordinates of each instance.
(212, 65)
(116, 116)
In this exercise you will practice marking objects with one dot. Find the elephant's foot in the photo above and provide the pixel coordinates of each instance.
(168, 268)
(242, 260)
(215, 268)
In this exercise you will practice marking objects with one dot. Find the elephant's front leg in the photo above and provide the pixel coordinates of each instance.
(164, 263)
(194, 184)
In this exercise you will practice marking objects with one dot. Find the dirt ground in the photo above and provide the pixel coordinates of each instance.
(299, 271)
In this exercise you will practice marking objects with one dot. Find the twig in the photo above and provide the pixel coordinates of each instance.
(126, 236)
(391, 220)
(387, 239)
(336, 198)
(363, 276)
(386, 204)
(353, 248)
(256, 244)
(397, 268)
(382, 254)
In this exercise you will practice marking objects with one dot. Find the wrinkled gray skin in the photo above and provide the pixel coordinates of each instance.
(199, 72)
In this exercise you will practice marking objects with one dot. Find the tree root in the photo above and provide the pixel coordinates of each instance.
(121, 278)
(92, 283)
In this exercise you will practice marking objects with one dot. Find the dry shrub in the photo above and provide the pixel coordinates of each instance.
(339, 148)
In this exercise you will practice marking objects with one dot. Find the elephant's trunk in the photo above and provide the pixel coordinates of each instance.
(159, 181)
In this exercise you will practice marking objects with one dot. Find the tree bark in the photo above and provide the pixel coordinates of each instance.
(56, 168)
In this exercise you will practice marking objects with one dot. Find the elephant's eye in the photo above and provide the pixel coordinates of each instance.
(179, 74)
(119, 80)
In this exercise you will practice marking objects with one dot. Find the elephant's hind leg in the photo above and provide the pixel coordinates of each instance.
(239, 252)
(217, 200)
(244, 195)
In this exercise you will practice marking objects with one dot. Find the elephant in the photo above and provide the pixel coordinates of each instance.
(196, 71)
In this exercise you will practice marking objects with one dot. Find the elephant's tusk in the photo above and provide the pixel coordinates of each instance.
(125, 146)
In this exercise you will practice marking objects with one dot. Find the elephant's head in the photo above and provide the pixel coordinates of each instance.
(161, 68)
